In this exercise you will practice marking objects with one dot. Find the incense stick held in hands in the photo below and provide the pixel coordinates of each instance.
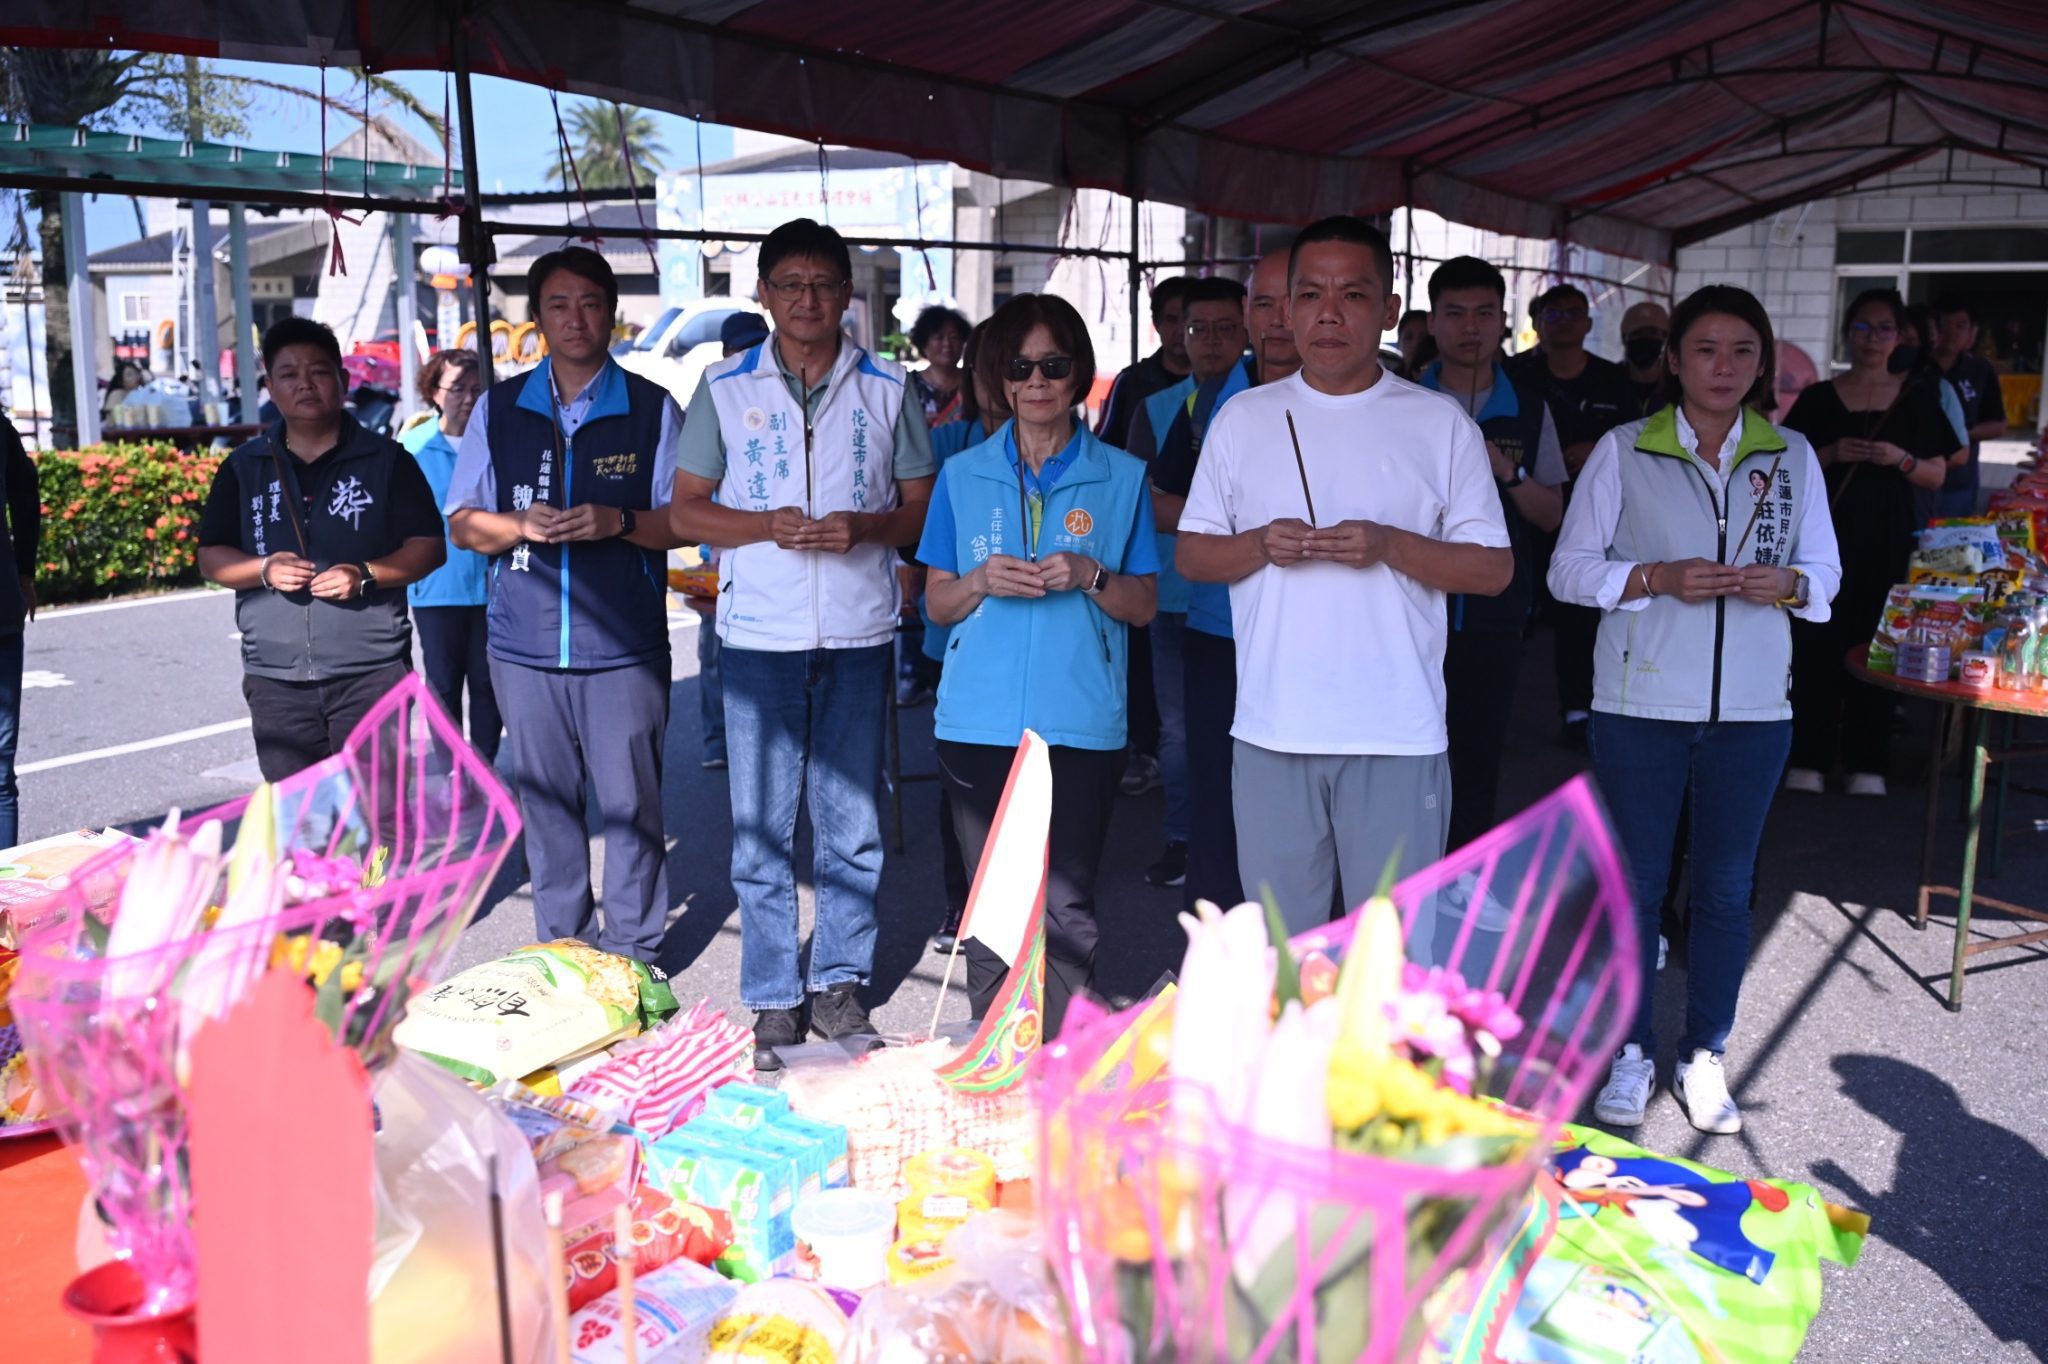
(1301, 466)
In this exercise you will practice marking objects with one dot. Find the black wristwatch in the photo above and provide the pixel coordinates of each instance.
(369, 582)
(626, 521)
(1097, 583)
(1521, 476)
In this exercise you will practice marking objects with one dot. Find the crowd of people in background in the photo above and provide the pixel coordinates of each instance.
(1288, 577)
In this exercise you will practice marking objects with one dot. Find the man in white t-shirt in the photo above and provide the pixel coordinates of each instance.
(1339, 558)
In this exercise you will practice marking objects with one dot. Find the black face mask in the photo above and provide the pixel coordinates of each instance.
(1644, 350)
(1905, 359)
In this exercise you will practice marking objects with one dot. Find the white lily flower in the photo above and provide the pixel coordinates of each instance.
(1370, 981)
(234, 953)
(163, 898)
(1288, 1108)
(1223, 1013)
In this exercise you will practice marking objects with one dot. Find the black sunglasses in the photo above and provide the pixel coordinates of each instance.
(1053, 367)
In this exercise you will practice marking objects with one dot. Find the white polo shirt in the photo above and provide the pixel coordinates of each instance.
(1333, 659)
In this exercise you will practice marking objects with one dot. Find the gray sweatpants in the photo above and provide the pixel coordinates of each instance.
(1306, 820)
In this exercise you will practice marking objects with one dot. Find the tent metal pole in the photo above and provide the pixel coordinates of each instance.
(246, 377)
(1137, 268)
(85, 386)
(205, 306)
(405, 266)
(1408, 217)
(477, 249)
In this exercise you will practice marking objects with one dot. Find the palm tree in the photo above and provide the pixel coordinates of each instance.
(90, 88)
(599, 134)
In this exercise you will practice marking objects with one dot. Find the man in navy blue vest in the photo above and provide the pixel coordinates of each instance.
(563, 478)
(1483, 655)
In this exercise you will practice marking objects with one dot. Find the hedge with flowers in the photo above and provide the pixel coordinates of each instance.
(120, 518)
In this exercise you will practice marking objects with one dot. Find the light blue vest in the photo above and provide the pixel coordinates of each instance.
(1054, 664)
(1171, 415)
(460, 581)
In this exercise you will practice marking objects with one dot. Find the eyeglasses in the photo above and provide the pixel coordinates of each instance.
(470, 390)
(1883, 331)
(1053, 367)
(1564, 314)
(789, 290)
(1222, 331)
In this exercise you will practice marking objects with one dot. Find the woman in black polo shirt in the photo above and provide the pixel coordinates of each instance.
(318, 525)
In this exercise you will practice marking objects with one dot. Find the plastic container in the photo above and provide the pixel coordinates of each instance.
(1979, 670)
(847, 1232)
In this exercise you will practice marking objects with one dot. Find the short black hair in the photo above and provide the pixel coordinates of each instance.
(1466, 272)
(1946, 305)
(970, 402)
(1557, 292)
(1215, 289)
(805, 237)
(934, 319)
(580, 261)
(1352, 230)
(1412, 315)
(300, 331)
(1725, 300)
(1167, 290)
(1887, 299)
(1003, 339)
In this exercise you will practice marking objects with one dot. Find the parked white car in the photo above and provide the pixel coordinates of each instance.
(674, 350)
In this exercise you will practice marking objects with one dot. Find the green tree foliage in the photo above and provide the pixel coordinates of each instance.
(595, 132)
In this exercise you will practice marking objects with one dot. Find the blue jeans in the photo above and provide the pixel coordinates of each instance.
(1169, 689)
(710, 692)
(809, 717)
(1731, 769)
(10, 731)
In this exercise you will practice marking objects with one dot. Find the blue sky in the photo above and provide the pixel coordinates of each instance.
(515, 134)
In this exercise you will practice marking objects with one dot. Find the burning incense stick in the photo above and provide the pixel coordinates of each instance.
(1301, 466)
(629, 1310)
(558, 1278)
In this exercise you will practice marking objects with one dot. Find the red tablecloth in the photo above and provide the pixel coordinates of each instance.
(40, 1192)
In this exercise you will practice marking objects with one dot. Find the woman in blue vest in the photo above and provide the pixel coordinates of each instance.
(1040, 551)
(448, 604)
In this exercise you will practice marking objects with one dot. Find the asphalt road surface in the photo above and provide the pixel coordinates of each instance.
(1852, 1074)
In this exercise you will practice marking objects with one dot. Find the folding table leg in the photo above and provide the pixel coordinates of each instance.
(1944, 719)
(1980, 757)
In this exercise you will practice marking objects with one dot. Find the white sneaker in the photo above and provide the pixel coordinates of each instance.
(1865, 784)
(1701, 1088)
(1804, 779)
(1627, 1093)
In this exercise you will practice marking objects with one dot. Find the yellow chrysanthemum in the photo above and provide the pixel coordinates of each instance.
(352, 977)
(325, 960)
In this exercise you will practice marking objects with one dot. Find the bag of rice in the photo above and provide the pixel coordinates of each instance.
(540, 1006)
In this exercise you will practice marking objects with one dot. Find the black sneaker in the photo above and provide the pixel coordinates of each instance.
(1172, 867)
(836, 1012)
(775, 1028)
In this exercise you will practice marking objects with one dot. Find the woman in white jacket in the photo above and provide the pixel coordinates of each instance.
(1698, 532)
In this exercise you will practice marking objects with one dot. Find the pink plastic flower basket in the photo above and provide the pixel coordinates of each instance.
(105, 1034)
(1148, 1222)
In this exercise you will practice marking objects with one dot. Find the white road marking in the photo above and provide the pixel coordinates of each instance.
(183, 736)
(159, 599)
(42, 677)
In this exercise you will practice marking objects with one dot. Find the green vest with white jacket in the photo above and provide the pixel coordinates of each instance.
(1725, 660)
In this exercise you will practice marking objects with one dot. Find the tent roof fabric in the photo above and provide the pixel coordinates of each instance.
(1633, 126)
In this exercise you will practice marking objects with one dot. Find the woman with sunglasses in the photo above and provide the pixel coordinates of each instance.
(1880, 436)
(448, 605)
(1040, 554)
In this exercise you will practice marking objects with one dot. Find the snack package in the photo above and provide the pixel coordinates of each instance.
(540, 1006)
(783, 1321)
(663, 1232)
(661, 1080)
(1624, 1256)
(579, 1152)
(754, 1188)
(745, 1106)
(1911, 607)
(828, 1141)
(994, 1300)
(675, 1307)
(894, 1106)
